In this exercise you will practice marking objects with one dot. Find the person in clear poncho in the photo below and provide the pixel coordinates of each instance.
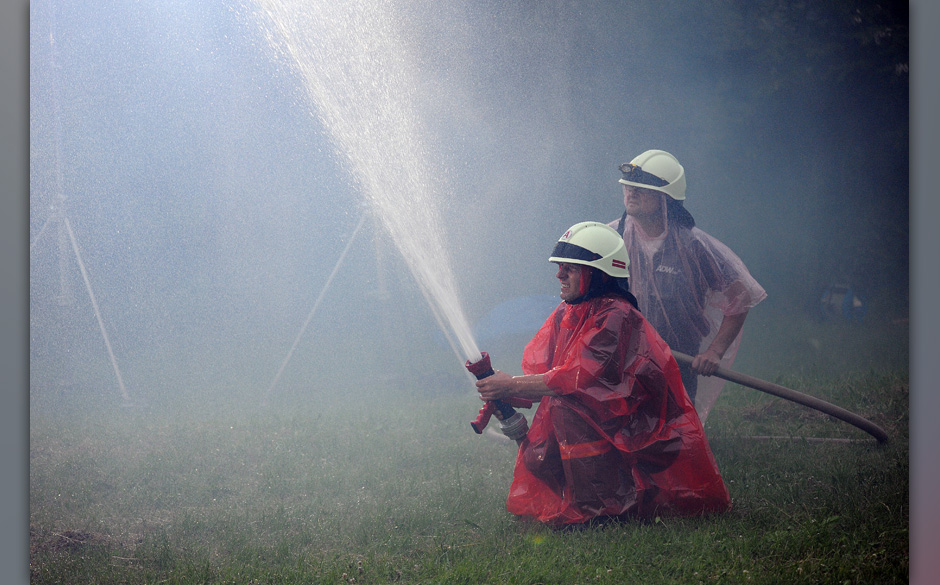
(615, 434)
(692, 288)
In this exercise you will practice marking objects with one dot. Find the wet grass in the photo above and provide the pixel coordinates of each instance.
(397, 489)
(390, 485)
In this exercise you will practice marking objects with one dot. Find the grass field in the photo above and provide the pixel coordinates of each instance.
(394, 487)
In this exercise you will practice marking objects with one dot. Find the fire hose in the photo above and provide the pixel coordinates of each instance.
(794, 396)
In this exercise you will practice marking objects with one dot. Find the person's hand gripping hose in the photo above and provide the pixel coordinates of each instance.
(513, 424)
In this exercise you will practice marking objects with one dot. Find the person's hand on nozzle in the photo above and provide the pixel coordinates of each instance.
(495, 387)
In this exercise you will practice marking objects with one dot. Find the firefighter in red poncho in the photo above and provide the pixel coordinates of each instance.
(615, 434)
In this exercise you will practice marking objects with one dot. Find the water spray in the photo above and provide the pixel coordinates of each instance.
(513, 424)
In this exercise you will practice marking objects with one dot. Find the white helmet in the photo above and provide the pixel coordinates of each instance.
(593, 244)
(657, 170)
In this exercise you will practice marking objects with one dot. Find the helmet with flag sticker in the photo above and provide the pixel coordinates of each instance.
(595, 244)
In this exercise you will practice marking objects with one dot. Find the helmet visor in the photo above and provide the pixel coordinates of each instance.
(634, 174)
(570, 251)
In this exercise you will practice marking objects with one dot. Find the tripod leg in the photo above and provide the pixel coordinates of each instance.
(94, 305)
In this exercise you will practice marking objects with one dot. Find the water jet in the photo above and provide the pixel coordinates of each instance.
(361, 80)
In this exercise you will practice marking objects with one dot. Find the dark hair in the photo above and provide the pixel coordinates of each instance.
(605, 284)
(678, 215)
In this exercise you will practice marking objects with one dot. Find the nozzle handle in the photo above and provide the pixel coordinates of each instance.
(482, 369)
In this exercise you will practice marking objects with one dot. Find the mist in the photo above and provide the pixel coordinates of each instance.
(210, 202)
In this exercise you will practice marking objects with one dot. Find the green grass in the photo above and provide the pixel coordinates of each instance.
(394, 487)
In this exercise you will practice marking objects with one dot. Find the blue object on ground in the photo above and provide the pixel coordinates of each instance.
(839, 300)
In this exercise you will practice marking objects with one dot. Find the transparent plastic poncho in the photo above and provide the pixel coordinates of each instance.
(621, 438)
(685, 282)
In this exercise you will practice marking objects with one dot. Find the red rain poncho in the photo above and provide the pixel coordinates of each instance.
(621, 437)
